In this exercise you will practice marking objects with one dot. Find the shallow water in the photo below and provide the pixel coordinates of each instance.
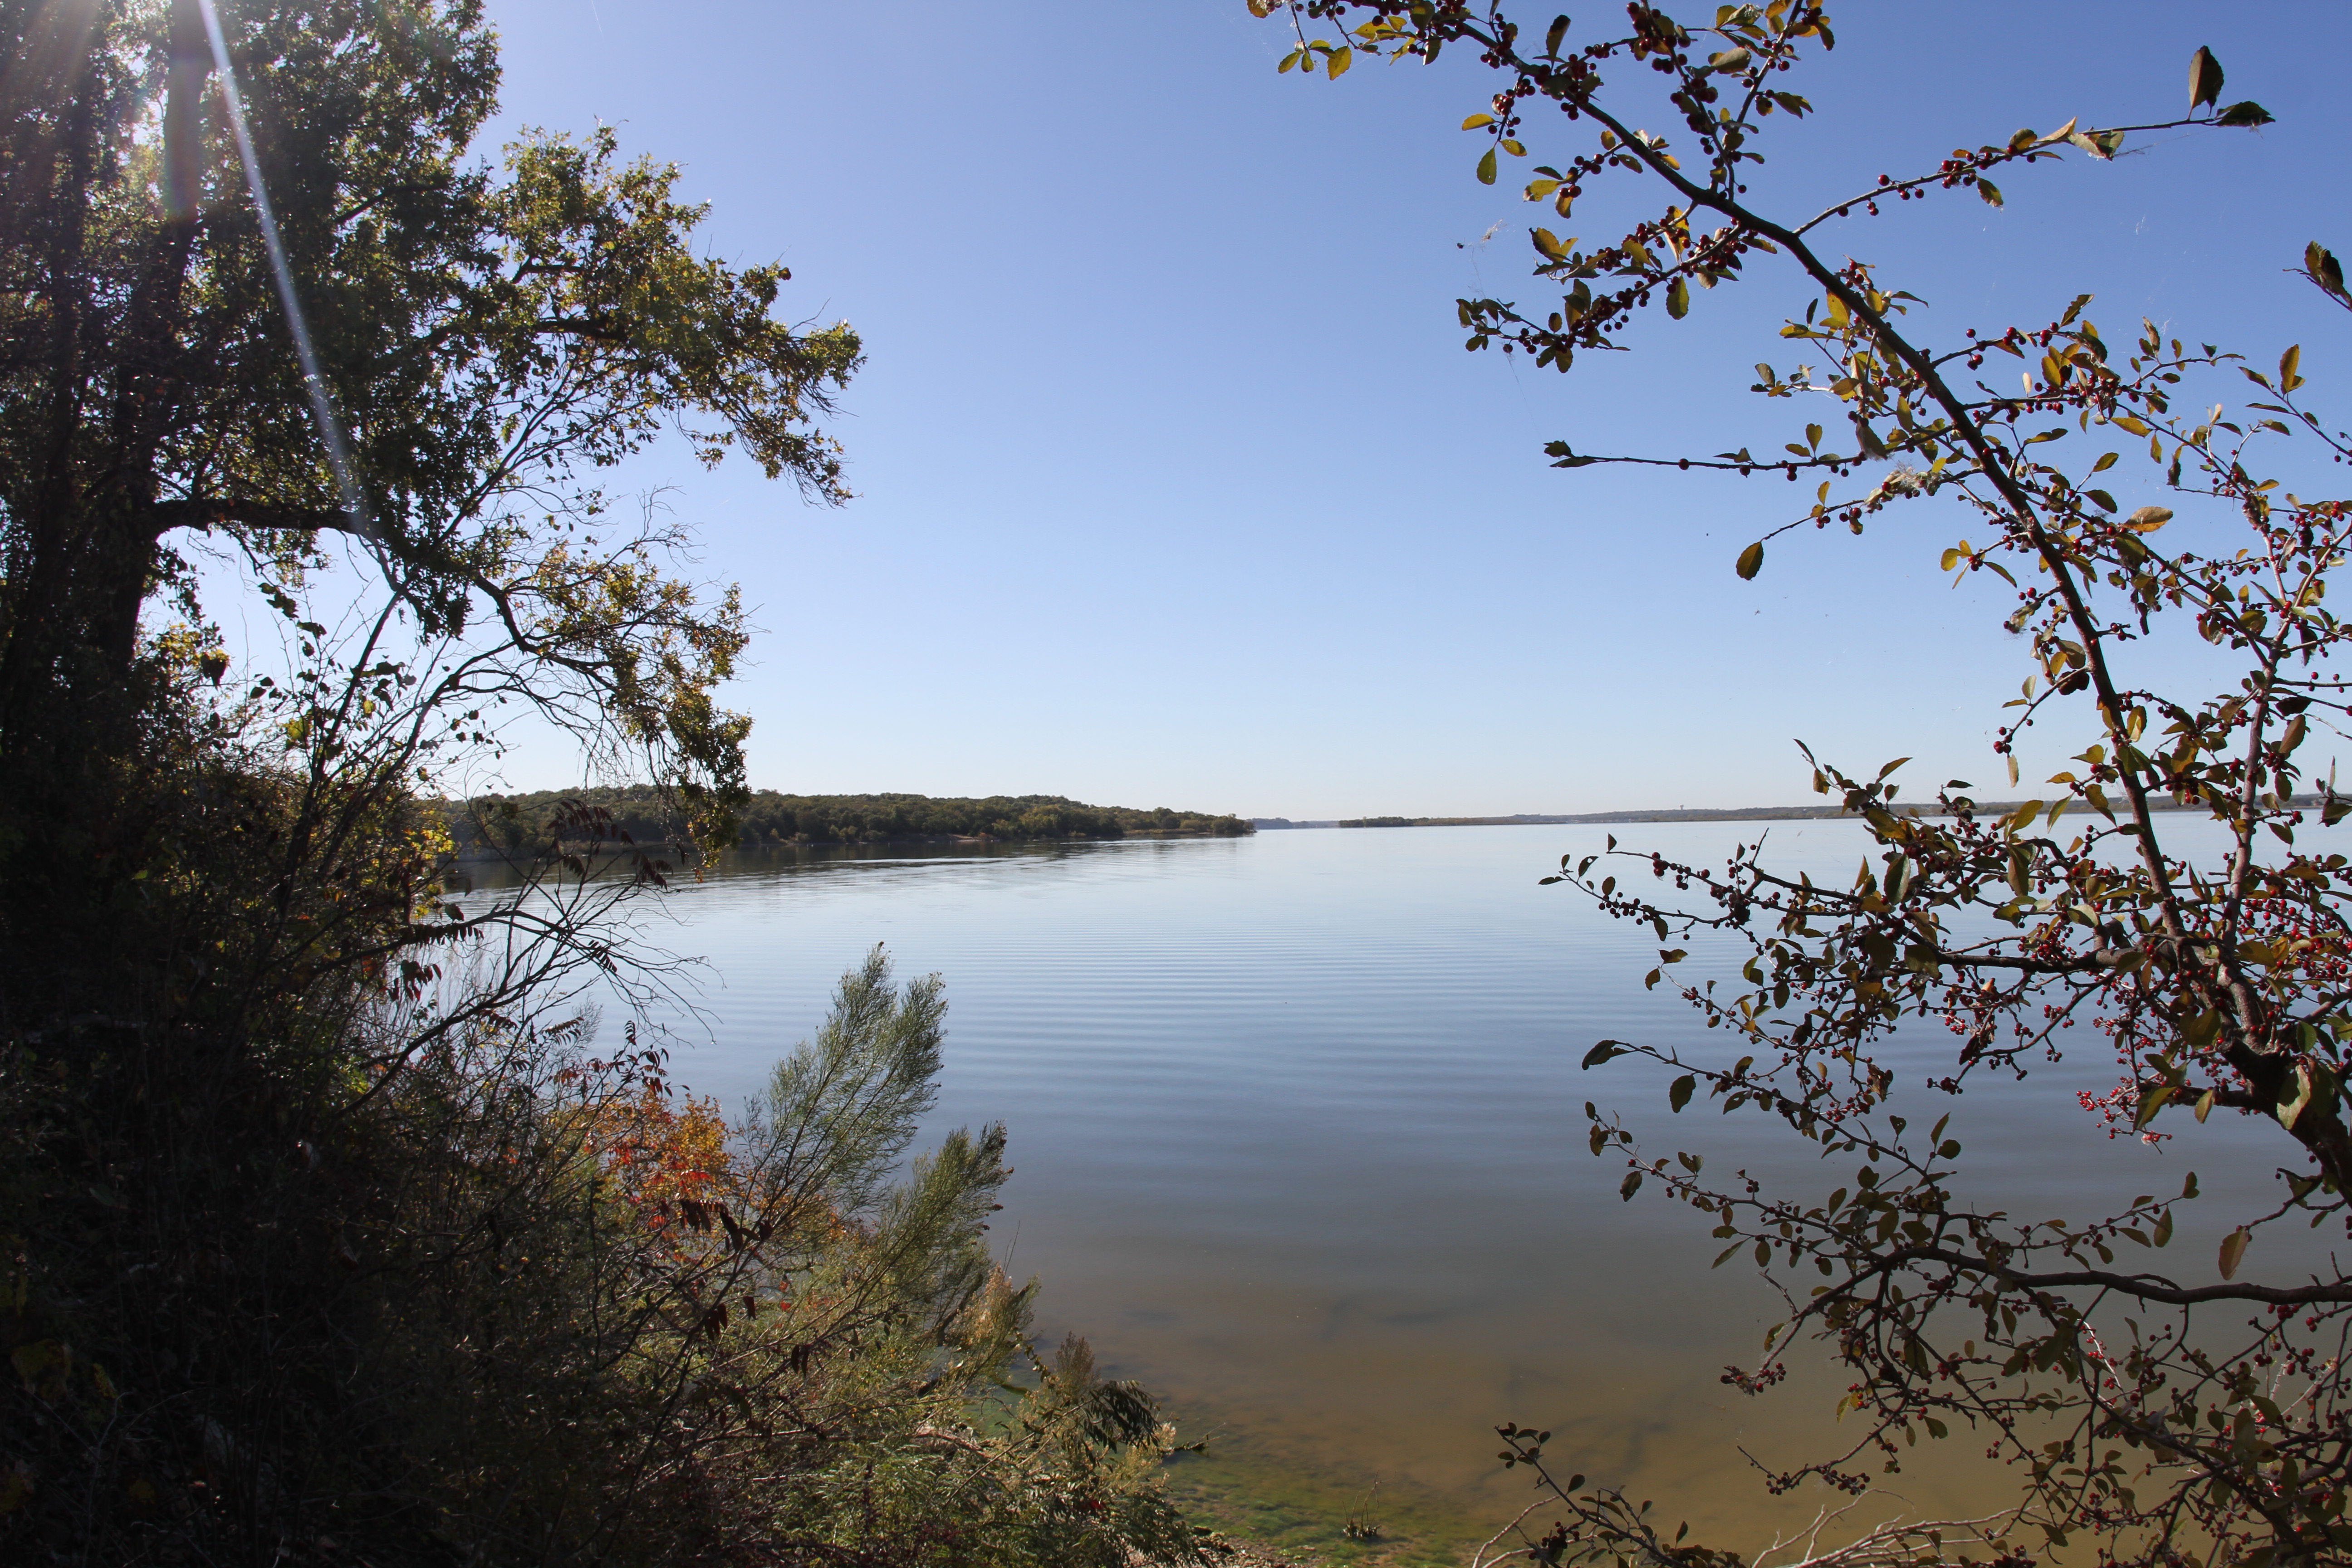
(1297, 1123)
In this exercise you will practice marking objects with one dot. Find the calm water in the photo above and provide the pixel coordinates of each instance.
(1298, 1130)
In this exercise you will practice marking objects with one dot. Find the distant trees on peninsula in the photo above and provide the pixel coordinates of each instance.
(507, 823)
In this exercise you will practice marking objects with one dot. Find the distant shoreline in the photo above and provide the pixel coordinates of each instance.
(1721, 814)
(478, 852)
(496, 827)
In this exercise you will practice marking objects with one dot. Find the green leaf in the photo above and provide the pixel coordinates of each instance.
(1477, 122)
(1678, 298)
(2204, 79)
(1632, 1184)
(2149, 1104)
(2233, 1250)
(2288, 380)
(1678, 1093)
(2246, 115)
(1487, 168)
(1989, 192)
(2149, 519)
(1342, 58)
(2101, 500)
(2161, 1232)
(1751, 561)
(1604, 1051)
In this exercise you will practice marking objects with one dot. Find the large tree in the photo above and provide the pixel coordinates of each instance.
(2153, 1414)
(263, 297)
(475, 344)
(334, 1229)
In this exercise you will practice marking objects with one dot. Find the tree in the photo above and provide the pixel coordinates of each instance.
(482, 346)
(329, 1235)
(2153, 1414)
(258, 301)
(783, 1342)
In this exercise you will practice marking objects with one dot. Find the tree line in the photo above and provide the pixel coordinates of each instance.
(509, 823)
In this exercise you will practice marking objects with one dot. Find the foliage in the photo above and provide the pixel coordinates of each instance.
(669, 1341)
(487, 344)
(2151, 1416)
(327, 1238)
(512, 824)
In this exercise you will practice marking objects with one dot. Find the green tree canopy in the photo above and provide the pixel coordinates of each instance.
(490, 339)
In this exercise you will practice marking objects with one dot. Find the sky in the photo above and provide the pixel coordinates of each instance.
(1175, 486)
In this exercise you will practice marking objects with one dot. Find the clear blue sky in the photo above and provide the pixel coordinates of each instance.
(1175, 485)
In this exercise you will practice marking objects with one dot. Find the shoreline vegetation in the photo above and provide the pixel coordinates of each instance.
(1983, 809)
(500, 824)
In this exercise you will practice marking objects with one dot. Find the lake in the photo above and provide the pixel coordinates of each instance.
(1298, 1130)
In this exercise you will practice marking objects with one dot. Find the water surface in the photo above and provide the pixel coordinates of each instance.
(1298, 1129)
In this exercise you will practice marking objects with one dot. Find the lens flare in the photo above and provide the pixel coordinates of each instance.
(322, 407)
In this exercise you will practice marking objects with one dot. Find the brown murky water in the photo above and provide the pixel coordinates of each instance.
(1298, 1128)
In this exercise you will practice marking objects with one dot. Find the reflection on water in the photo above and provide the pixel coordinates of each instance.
(1299, 1136)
